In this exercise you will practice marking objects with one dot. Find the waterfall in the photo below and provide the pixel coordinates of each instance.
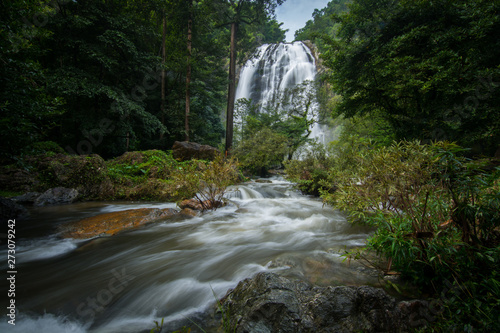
(272, 71)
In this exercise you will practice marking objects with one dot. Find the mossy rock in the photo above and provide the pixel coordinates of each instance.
(88, 174)
(16, 180)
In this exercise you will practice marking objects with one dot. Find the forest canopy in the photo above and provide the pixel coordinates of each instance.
(428, 69)
(89, 75)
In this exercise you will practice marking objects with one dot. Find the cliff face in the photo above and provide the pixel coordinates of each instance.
(320, 68)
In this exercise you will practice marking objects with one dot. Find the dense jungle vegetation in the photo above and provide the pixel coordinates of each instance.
(107, 77)
(415, 86)
(412, 88)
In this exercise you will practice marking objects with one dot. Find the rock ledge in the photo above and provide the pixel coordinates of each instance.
(271, 303)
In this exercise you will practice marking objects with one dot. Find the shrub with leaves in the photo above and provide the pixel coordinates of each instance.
(206, 181)
(311, 170)
(264, 150)
(437, 221)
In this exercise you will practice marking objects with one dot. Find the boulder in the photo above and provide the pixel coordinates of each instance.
(194, 204)
(27, 198)
(110, 224)
(185, 150)
(56, 196)
(10, 210)
(18, 180)
(271, 303)
(88, 174)
(188, 212)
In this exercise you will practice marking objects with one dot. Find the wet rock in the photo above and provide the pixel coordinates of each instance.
(263, 181)
(14, 179)
(194, 204)
(112, 223)
(9, 209)
(188, 212)
(87, 174)
(57, 196)
(184, 151)
(27, 198)
(271, 303)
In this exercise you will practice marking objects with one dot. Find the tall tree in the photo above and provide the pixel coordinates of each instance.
(238, 12)
(163, 71)
(431, 68)
(188, 65)
(28, 112)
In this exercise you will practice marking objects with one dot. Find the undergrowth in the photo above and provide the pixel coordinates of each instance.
(437, 220)
(152, 175)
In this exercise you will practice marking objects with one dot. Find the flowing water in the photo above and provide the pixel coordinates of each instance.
(173, 268)
(274, 69)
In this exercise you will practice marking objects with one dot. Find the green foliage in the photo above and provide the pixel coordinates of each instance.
(323, 26)
(27, 110)
(8, 194)
(100, 72)
(475, 195)
(429, 68)
(225, 316)
(206, 181)
(387, 176)
(43, 147)
(152, 175)
(264, 150)
(145, 164)
(145, 175)
(158, 328)
(436, 216)
(97, 63)
(311, 170)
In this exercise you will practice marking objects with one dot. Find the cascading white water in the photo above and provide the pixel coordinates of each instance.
(172, 269)
(274, 69)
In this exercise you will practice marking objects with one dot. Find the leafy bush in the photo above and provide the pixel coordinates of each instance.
(44, 147)
(437, 219)
(149, 163)
(311, 170)
(207, 182)
(264, 150)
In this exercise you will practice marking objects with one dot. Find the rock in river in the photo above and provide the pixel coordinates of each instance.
(271, 303)
(111, 223)
(57, 196)
(196, 205)
(9, 209)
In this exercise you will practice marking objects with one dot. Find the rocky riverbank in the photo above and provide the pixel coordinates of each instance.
(272, 303)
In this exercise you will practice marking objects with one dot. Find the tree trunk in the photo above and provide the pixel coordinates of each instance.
(163, 60)
(188, 70)
(231, 94)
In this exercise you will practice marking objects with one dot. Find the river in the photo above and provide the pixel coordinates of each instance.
(173, 269)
